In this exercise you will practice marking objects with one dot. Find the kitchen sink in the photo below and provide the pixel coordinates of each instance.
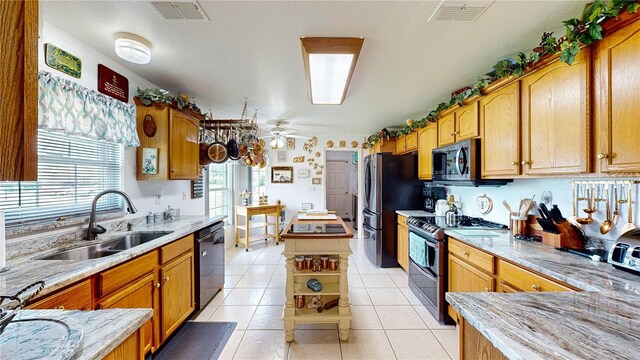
(131, 240)
(109, 247)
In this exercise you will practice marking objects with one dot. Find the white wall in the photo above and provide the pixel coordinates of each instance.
(561, 191)
(175, 193)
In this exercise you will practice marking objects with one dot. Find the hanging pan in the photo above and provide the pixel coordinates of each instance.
(232, 146)
(217, 151)
(204, 147)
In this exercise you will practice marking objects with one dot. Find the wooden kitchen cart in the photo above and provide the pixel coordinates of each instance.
(269, 211)
(334, 283)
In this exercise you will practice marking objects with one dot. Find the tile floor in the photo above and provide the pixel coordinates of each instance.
(388, 320)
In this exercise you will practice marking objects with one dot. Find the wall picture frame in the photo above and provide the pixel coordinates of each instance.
(282, 174)
(291, 144)
(316, 181)
(150, 161)
(62, 61)
(282, 156)
(303, 173)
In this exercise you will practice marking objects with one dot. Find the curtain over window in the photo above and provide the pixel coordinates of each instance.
(69, 108)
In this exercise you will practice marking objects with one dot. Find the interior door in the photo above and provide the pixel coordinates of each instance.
(338, 176)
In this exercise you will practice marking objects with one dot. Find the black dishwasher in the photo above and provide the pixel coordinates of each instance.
(209, 264)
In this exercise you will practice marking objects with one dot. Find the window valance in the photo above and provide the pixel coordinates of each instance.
(69, 108)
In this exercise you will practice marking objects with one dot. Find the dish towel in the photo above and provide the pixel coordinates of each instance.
(417, 249)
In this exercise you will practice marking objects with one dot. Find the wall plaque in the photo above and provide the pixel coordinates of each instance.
(113, 84)
(62, 61)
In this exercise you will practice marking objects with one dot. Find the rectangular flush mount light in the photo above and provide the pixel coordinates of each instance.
(328, 66)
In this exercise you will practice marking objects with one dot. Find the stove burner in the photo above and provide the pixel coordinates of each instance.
(480, 222)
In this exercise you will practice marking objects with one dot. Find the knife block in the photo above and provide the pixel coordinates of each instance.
(567, 237)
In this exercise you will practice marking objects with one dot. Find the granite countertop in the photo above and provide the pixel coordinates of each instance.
(601, 322)
(97, 340)
(59, 273)
(408, 213)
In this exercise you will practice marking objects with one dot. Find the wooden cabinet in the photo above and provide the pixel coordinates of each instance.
(176, 138)
(616, 69)
(555, 118)
(500, 124)
(142, 293)
(514, 278)
(177, 293)
(427, 141)
(130, 349)
(480, 259)
(473, 345)
(403, 243)
(19, 89)
(464, 277)
(74, 297)
(383, 146)
(120, 276)
(407, 143)
(447, 129)
(459, 125)
(183, 147)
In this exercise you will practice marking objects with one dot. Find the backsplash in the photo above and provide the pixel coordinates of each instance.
(561, 192)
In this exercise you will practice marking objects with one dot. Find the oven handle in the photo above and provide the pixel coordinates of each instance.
(458, 161)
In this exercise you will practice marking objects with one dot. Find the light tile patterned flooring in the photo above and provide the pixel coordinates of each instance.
(388, 320)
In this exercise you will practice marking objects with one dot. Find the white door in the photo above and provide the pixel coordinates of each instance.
(338, 195)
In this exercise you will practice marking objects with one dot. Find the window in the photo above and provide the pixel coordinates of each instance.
(257, 182)
(71, 171)
(220, 198)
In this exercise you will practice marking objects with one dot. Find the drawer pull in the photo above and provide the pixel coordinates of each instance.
(466, 253)
(602, 156)
(166, 279)
(535, 287)
(487, 290)
(158, 285)
(61, 307)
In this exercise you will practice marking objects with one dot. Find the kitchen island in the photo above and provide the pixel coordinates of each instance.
(315, 240)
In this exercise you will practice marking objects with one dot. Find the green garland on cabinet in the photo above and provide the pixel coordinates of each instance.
(584, 30)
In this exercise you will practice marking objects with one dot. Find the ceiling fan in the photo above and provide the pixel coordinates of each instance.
(279, 134)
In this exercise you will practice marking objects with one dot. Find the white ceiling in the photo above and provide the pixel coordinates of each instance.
(251, 49)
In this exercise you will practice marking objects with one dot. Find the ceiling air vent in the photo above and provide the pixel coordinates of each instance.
(179, 10)
(460, 10)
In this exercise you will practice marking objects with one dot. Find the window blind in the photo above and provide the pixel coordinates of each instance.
(71, 171)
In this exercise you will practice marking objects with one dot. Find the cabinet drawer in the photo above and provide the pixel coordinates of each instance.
(402, 220)
(475, 257)
(513, 277)
(121, 275)
(75, 297)
(176, 248)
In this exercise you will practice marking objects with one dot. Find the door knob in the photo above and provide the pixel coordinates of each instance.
(524, 162)
(514, 163)
(166, 278)
(602, 156)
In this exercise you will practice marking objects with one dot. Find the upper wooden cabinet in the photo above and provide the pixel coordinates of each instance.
(427, 141)
(19, 91)
(383, 146)
(176, 138)
(616, 106)
(500, 124)
(555, 118)
(458, 125)
(407, 143)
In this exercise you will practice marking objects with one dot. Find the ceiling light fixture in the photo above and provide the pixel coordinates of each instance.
(133, 48)
(277, 142)
(328, 65)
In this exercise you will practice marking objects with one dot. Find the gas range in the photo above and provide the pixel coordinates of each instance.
(434, 226)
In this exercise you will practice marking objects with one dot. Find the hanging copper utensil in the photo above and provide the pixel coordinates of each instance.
(605, 227)
(589, 209)
(217, 151)
(616, 212)
(204, 147)
(629, 225)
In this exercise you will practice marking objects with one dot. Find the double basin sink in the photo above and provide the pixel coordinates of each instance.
(108, 247)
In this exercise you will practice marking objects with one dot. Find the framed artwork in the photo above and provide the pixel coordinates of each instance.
(62, 61)
(282, 156)
(316, 181)
(282, 174)
(150, 161)
(291, 144)
(304, 173)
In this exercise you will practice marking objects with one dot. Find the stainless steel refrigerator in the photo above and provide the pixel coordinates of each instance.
(390, 183)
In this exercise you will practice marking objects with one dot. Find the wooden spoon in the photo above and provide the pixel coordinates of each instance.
(605, 227)
(629, 225)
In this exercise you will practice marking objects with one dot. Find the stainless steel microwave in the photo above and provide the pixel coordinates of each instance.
(459, 165)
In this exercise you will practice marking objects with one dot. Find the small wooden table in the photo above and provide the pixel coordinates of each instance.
(334, 283)
(273, 210)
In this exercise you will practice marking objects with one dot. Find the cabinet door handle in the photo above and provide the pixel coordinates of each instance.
(166, 279)
(173, 170)
(487, 289)
(158, 285)
(602, 156)
(452, 134)
(61, 307)
(466, 253)
(514, 163)
(524, 162)
(535, 287)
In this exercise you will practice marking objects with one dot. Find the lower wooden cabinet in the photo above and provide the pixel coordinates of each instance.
(129, 349)
(516, 279)
(403, 243)
(473, 345)
(464, 277)
(177, 293)
(74, 297)
(142, 293)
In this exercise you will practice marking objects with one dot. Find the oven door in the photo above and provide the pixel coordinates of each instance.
(424, 253)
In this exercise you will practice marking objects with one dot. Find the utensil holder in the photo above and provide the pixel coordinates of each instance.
(567, 237)
(519, 225)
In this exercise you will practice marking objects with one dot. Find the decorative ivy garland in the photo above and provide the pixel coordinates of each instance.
(586, 30)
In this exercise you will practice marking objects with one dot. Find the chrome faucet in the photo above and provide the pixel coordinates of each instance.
(95, 229)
